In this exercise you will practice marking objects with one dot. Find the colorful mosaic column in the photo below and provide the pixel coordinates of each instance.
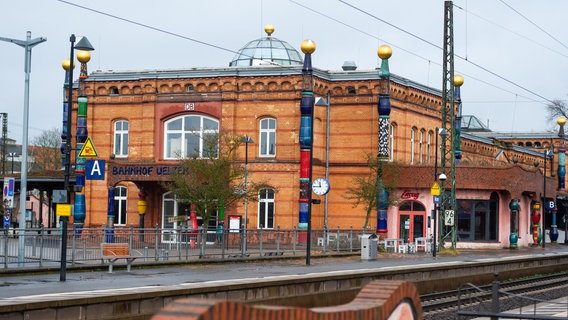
(80, 207)
(110, 216)
(535, 219)
(514, 236)
(66, 64)
(306, 133)
(142, 206)
(384, 108)
(561, 176)
(458, 81)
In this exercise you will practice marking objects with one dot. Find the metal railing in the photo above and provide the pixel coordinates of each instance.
(43, 245)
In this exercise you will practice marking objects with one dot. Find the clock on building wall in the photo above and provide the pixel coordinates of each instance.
(320, 186)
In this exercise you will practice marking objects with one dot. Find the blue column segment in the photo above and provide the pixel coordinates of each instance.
(457, 125)
(64, 129)
(305, 140)
(384, 109)
(110, 214)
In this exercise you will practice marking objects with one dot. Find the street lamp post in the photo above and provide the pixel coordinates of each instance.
(246, 140)
(561, 121)
(12, 155)
(326, 103)
(441, 132)
(28, 44)
(544, 202)
(83, 44)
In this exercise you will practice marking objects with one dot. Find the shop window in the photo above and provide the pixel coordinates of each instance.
(266, 208)
(267, 144)
(121, 139)
(478, 220)
(191, 136)
(120, 205)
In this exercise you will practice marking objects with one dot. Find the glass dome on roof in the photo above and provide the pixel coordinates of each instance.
(266, 51)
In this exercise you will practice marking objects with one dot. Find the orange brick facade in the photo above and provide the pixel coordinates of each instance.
(239, 98)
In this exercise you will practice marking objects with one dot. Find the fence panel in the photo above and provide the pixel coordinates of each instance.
(42, 246)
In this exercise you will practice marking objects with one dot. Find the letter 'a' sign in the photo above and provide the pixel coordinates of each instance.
(95, 169)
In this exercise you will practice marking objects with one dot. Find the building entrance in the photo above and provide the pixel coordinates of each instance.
(412, 216)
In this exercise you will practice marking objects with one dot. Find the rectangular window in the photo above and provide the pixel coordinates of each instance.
(120, 197)
(121, 139)
(477, 220)
(267, 145)
(266, 209)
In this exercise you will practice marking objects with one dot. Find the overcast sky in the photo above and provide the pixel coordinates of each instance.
(512, 54)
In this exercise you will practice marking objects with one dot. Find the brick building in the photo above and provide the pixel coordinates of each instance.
(136, 120)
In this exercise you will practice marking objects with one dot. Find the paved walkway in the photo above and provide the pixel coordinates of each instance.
(37, 284)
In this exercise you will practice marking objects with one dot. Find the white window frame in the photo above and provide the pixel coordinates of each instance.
(120, 211)
(266, 135)
(121, 137)
(429, 147)
(421, 147)
(392, 141)
(174, 150)
(412, 137)
(267, 202)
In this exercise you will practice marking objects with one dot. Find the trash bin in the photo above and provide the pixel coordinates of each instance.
(369, 244)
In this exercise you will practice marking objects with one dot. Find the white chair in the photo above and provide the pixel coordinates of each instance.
(422, 244)
(403, 248)
(391, 243)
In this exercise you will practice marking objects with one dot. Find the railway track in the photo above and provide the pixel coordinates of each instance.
(445, 305)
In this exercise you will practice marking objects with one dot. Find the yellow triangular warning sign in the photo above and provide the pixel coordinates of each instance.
(88, 150)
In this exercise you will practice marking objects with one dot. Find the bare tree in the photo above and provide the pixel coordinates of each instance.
(45, 151)
(557, 108)
(212, 179)
(365, 188)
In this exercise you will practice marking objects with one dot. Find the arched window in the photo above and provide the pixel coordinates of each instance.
(121, 139)
(266, 208)
(120, 205)
(114, 91)
(421, 146)
(392, 140)
(267, 141)
(191, 136)
(412, 148)
(429, 147)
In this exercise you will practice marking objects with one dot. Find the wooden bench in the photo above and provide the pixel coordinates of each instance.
(114, 251)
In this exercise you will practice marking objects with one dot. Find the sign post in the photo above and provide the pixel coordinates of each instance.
(435, 192)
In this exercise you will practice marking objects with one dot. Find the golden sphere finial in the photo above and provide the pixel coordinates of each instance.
(83, 56)
(458, 80)
(384, 52)
(269, 29)
(561, 120)
(308, 46)
(65, 64)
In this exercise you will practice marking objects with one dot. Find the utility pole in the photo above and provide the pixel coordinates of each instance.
(448, 163)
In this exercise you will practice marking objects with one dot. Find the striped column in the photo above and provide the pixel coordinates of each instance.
(306, 134)
(80, 209)
(384, 108)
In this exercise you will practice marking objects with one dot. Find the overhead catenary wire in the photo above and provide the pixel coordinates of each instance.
(439, 47)
(412, 53)
(534, 24)
(144, 25)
